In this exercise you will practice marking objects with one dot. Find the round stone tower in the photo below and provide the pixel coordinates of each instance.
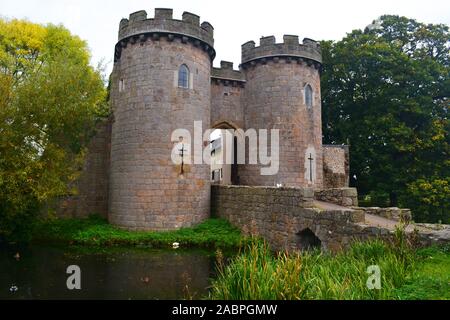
(160, 83)
(283, 92)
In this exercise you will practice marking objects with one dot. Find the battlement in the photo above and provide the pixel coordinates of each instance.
(139, 27)
(227, 75)
(291, 48)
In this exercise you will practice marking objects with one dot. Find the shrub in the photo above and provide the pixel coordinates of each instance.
(430, 200)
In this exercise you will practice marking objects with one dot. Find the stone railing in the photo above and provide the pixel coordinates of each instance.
(347, 197)
(396, 214)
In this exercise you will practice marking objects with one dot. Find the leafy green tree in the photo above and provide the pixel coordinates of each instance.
(50, 100)
(385, 91)
(430, 198)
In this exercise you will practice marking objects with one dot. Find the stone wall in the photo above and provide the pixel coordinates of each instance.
(396, 214)
(281, 215)
(347, 197)
(417, 235)
(92, 185)
(287, 219)
(227, 86)
(336, 166)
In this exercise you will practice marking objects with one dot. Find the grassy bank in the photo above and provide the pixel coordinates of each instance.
(431, 277)
(256, 273)
(95, 231)
(405, 274)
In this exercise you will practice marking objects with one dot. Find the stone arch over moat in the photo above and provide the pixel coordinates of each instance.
(306, 239)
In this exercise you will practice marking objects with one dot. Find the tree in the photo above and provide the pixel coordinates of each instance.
(385, 91)
(430, 198)
(50, 101)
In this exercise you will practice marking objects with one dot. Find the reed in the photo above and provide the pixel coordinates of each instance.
(259, 274)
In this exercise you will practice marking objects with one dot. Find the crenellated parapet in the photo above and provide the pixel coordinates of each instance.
(227, 76)
(139, 28)
(290, 50)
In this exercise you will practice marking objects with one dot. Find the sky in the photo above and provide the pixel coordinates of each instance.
(235, 21)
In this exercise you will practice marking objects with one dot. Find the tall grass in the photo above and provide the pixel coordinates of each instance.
(259, 274)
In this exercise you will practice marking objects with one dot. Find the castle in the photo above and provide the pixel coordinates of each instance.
(163, 79)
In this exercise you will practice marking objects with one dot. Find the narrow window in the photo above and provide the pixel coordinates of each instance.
(183, 77)
(121, 85)
(308, 96)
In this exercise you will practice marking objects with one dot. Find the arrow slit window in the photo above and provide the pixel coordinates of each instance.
(308, 96)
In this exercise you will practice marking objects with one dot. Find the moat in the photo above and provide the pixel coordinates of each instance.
(39, 272)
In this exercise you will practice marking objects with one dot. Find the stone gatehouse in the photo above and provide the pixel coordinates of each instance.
(163, 79)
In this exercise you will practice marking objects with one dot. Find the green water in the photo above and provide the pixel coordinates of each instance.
(113, 273)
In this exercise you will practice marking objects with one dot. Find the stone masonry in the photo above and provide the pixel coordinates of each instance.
(145, 190)
(279, 215)
(346, 197)
(289, 218)
(92, 186)
(163, 80)
(336, 166)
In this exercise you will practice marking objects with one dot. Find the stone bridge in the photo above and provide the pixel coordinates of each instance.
(298, 218)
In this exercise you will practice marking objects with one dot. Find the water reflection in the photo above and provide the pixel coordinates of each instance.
(118, 273)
